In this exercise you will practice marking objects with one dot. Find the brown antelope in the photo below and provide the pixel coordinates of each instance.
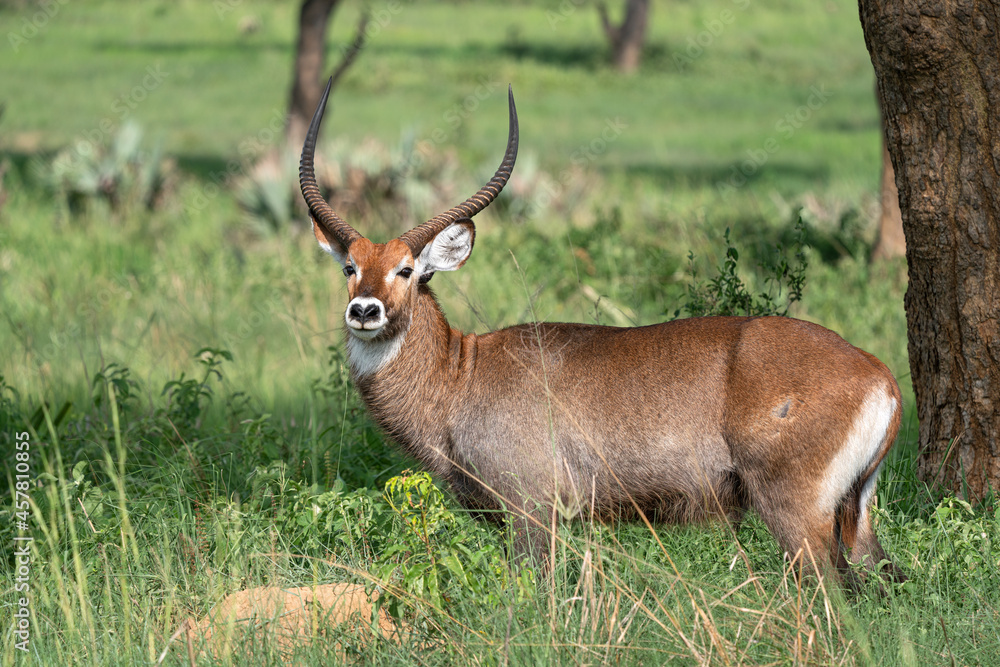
(682, 420)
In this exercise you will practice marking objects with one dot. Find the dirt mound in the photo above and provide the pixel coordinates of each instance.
(291, 617)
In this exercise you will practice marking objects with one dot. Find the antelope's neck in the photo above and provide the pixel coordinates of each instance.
(411, 384)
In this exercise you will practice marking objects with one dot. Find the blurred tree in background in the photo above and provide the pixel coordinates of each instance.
(627, 38)
(310, 59)
(890, 242)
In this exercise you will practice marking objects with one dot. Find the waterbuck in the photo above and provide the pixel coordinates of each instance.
(678, 421)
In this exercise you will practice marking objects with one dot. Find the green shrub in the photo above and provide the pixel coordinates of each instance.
(438, 557)
(782, 278)
(187, 398)
(118, 177)
(952, 542)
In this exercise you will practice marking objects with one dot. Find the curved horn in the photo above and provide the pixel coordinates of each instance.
(419, 236)
(330, 222)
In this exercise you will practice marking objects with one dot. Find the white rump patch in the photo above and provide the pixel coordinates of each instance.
(448, 251)
(858, 451)
(368, 357)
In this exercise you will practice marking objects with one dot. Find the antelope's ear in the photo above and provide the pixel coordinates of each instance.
(448, 250)
(328, 243)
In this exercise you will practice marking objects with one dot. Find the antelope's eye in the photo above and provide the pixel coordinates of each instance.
(349, 271)
(405, 272)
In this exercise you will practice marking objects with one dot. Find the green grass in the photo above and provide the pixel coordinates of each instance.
(153, 512)
(222, 87)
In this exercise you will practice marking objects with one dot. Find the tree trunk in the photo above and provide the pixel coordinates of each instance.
(310, 54)
(627, 39)
(939, 86)
(891, 242)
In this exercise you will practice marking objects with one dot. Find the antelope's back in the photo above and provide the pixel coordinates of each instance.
(662, 406)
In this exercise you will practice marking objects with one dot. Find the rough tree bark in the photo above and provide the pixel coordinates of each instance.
(308, 78)
(939, 86)
(891, 241)
(628, 38)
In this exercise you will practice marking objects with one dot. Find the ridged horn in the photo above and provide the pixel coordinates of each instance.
(419, 236)
(328, 220)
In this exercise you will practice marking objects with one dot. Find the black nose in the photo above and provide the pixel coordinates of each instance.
(361, 313)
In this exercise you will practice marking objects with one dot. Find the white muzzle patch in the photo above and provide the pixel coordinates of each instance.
(365, 317)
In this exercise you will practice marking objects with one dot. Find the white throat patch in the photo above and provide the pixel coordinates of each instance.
(368, 357)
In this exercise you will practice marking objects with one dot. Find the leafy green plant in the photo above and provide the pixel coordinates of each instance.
(532, 193)
(404, 184)
(368, 181)
(438, 557)
(120, 174)
(953, 542)
(267, 194)
(187, 398)
(87, 503)
(117, 376)
(263, 439)
(836, 234)
(353, 525)
(726, 293)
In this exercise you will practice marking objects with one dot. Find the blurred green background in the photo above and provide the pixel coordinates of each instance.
(781, 91)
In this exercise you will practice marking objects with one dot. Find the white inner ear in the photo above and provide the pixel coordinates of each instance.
(448, 251)
(333, 249)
